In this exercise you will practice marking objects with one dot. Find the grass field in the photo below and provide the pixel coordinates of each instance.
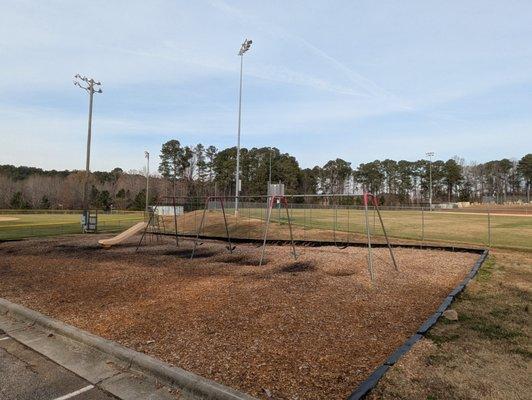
(18, 226)
(507, 231)
(486, 354)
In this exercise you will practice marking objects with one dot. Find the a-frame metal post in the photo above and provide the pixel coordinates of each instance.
(284, 202)
(152, 215)
(199, 227)
(207, 200)
(368, 234)
(376, 205)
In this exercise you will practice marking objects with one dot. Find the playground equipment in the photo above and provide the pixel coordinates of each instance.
(207, 202)
(212, 218)
(375, 202)
(281, 200)
(107, 243)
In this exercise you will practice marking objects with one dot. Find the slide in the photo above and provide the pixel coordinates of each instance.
(107, 243)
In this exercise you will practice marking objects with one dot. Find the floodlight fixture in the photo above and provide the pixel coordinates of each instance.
(246, 45)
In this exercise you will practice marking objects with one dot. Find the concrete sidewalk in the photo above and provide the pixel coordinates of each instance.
(27, 375)
(36, 364)
(113, 368)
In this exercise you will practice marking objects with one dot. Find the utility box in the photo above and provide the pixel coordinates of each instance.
(89, 222)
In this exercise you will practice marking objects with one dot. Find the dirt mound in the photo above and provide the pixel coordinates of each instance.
(5, 219)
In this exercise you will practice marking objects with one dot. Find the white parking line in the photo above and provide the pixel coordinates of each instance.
(70, 395)
(5, 338)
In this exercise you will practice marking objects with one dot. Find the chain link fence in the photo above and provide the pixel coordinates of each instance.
(41, 224)
(338, 219)
(333, 219)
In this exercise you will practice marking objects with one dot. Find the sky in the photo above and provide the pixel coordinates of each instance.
(358, 80)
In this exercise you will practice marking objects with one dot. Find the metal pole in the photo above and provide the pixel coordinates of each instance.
(267, 222)
(385, 235)
(290, 229)
(430, 154)
(88, 85)
(270, 173)
(144, 233)
(87, 161)
(226, 227)
(430, 185)
(489, 228)
(422, 226)
(199, 229)
(237, 174)
(370, 258)
(348, 229)
(147, 155)
(175, 222)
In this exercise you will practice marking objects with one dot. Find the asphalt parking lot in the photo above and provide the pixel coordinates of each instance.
(27, 375)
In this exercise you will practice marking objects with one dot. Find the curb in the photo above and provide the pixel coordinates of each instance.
(369, 384)
(175, 376)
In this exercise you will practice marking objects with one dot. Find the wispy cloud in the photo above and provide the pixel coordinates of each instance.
(348, 78)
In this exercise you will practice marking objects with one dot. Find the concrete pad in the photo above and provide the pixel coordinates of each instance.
(84, 361)
(27, 375)
(100, 361)
(8, 324)
(129, 385)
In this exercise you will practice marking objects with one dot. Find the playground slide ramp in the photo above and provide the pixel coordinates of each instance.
(138, 227)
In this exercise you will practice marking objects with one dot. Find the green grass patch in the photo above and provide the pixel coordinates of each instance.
(486, 270)
(507, 231)
(500, 312)
(495, 331)
(42, 225)
(487, 329)
(522, 352)
(442, 338)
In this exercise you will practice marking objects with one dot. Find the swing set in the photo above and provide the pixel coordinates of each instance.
(156, 224)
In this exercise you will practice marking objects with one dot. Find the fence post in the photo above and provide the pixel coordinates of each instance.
(489, 228)
(422, 226)
(304, 221)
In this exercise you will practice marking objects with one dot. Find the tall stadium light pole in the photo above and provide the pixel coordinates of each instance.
(87, 84)
(245, 47)
(270, 173)
(147, 155)
(430, 154)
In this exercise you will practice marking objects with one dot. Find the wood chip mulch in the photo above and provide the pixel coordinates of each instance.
(307, 329)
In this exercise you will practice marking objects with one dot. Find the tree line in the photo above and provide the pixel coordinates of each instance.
(197, 171)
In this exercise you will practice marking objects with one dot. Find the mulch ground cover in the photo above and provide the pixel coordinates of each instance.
(311, 328)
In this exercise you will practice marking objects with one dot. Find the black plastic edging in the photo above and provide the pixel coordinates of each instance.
(369, 384)
(320, 243)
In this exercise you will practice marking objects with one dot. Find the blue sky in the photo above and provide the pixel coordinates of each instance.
(360, 80)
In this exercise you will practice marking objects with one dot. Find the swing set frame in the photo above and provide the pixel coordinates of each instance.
(369, 200)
